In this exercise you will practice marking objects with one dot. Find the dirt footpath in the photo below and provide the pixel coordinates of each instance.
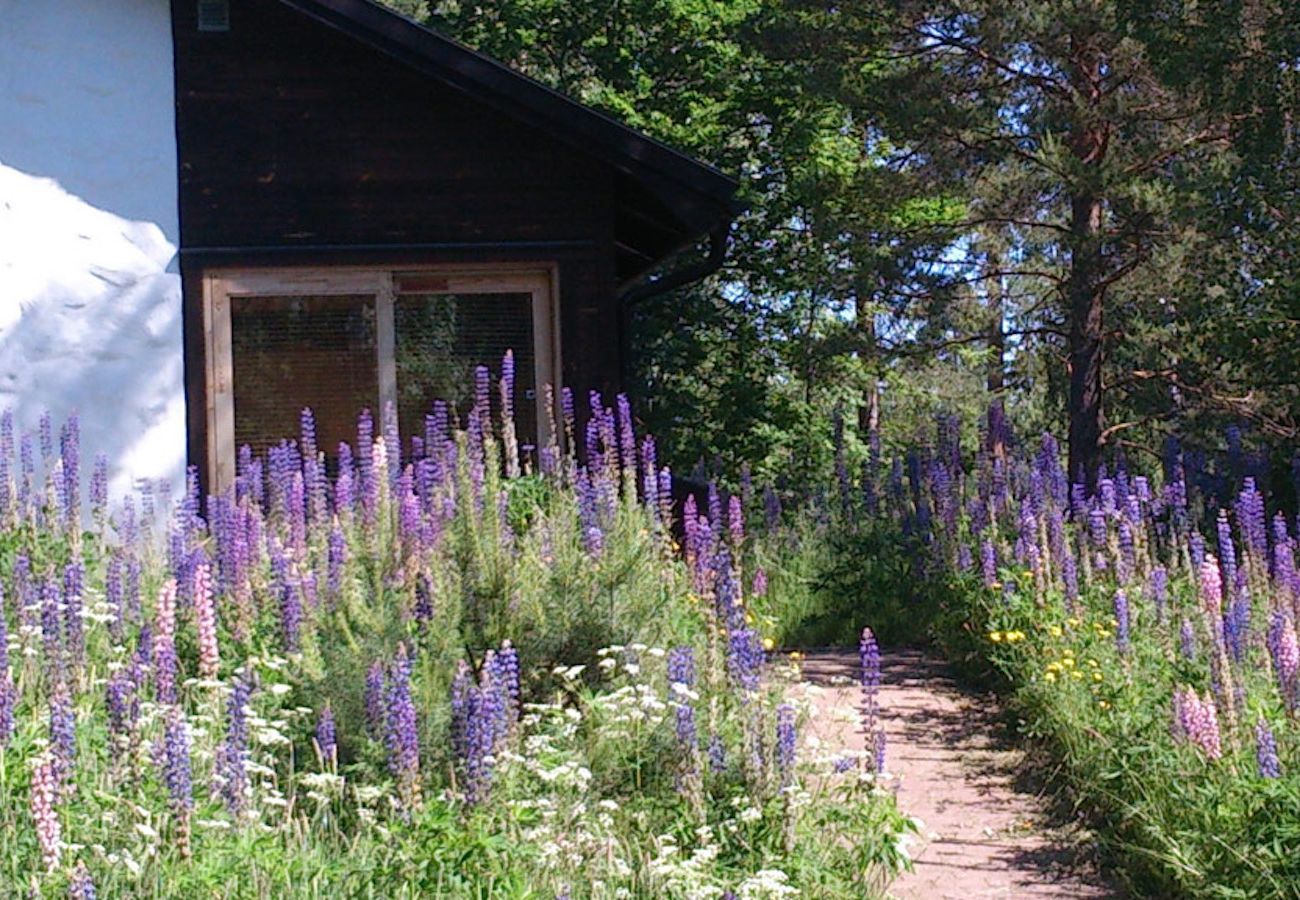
(982, 836)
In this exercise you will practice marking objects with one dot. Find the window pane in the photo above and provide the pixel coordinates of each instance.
(302, 351)
(441, 338)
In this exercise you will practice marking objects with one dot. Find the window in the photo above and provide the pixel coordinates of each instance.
(339, 341)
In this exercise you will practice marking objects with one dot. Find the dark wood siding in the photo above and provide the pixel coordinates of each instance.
(302, 145)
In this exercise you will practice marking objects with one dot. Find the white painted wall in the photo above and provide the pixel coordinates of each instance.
(90, 302)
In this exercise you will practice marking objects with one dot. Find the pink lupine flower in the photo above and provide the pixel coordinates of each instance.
(1212, 588)
(205, 615)
(1196, 721)
(45, 790)
(165, 612)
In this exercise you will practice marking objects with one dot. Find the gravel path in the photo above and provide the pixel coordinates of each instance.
(983, 835)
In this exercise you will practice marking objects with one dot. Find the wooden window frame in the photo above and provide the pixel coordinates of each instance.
(220, 286)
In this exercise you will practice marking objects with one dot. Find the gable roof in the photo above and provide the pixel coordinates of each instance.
(696, 196)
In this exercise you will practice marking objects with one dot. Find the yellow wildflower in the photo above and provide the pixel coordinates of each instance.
(1050, 676)
(995, 637)
(1076, 675)
(1055, 631)
(768, 643)
(1096, 676)
(1103, 704)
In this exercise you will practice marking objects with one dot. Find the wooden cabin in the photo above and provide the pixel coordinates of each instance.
(367, 210)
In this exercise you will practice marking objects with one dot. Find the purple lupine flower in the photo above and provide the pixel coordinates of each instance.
(474, 731)
(166, 668)
(291, 615)
(1097, 527)
(402, 730)
(1283, 563)
(1158, 590)
(63, 738)
(1070, 577)
(649, 474)
(745, 658)
(232, 756)
(1284, 648)
(345, 494)
(736, 523)
(327, 738)
(1236, 624)
(1252, 519)
(28, 467)
(869, 675)
(70, 453)
(681, 666)
(368, 483)
(123, 703)
(1127, 552)
(375, 700)
(99, 488)
(8, 700)
(759, 584)
(1266, 751)
(715, 512)
(177, 774)
(1187, 640)
(626, 434)
(51, 627)
(568, 414)
(786, 740)
(74, 627)
(681, 677)
(989, 563)
(337, 560)
(80, 884)
(878, 750)
(717, 754)
(4, 634)
(6, 455)
(508, 673)
(665, 497)
(1122, 620)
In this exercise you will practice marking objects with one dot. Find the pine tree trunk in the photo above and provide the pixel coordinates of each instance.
(1086, 287)
(869, 409)
(1087, 302)
(995, 375)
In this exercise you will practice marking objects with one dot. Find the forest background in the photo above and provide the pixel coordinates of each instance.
(1078, 215)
